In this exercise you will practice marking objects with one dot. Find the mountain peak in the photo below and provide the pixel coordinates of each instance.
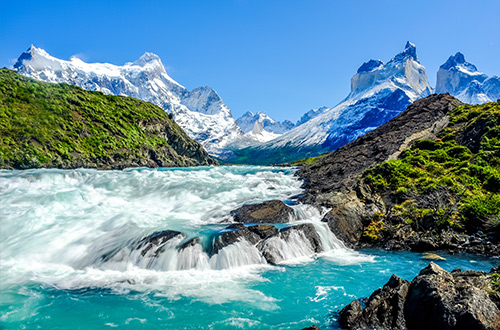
(410, 52)
(147, 58)
(458, 60)
(28, 55)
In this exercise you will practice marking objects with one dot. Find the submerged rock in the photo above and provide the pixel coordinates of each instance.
(274, 211)
(432, 256)
(435, 299)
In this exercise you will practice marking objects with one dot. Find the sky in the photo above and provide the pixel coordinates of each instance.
(283, 57)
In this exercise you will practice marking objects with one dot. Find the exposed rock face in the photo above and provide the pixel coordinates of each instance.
(264, 231)
(435, 299)
(268, 212)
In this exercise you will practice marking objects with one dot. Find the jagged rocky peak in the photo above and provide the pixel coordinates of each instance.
(370, 66)
(403, 71)
(204, 100)
(247, 121)
(410, 52)
(456, 75)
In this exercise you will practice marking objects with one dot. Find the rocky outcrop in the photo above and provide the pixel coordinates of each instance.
(435, 299)
(273, 211)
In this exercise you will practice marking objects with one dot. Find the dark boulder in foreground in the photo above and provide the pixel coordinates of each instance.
(435, 299)
(274, 211)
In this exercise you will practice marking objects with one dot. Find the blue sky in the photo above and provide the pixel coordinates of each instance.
(280, 56)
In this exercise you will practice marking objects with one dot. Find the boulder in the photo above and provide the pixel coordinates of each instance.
(384, 309)
(274, 211)
(191, 242)
(264, 231)
(156, 240)
(435, 299)
(309, 232)
(230, 235)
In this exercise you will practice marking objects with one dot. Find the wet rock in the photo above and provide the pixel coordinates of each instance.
(192, 242)
(156, 240)
(435, 299)
(309, 232)
(264, 231)
(272, 247)
(232, 236)
(274, 211)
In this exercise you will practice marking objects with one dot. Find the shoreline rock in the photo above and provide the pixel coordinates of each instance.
(435, 299)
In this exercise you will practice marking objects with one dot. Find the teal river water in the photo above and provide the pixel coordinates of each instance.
(56, 226)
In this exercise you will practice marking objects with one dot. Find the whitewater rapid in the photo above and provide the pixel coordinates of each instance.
(74, 229)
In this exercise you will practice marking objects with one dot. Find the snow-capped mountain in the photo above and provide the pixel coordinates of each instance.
(201, 112)
(379, 92)
(248, 120)
(462, 80)
(313, 113)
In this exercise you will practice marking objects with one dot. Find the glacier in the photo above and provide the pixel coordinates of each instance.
(200, 112)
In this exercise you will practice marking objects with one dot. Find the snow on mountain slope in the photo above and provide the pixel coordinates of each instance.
(255, 137)
(379, 92)
(201, 112)
(462, 80)
(248, 119)
(310, 115)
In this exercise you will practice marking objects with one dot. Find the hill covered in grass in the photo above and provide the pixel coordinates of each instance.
(429, 179)
(59, 125)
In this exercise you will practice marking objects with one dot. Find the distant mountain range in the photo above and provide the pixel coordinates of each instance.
(200, 112)
(379, 92)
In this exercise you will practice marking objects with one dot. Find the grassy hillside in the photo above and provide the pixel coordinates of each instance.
(58, 125)
(450, 182)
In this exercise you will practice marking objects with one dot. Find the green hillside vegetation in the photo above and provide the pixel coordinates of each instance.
(463, 165)
(59, 125)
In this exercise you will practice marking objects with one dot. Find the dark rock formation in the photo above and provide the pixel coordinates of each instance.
(191, 242)
(264, 231)
(435, 299)
(308, 231)
(271, 212)
(231, 236)
(156, 240)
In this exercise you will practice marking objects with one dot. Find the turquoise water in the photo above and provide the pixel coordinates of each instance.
(56, 224)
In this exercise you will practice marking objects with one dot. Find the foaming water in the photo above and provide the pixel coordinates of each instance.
(134, 249)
